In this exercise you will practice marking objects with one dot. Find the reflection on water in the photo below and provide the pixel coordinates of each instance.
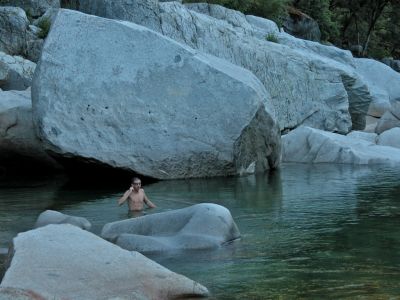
(307, 231)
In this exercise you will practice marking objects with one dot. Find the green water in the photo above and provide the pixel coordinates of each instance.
(308, 232)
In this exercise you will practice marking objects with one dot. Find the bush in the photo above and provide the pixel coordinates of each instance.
(271, 37)
(44, 24)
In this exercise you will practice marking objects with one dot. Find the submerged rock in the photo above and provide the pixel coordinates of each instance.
(201, 226)
(65, 262)
(54, 217)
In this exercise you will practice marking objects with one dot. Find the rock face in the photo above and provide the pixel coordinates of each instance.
(383, 82)
(297, 99)
(390, 138)
(15, 72)
(156, 107)
(54, 217)
(13, 27)
(65, 262)
(143, 12)
(17, 134)
(391, 118)
(309, 145)
(201, 226)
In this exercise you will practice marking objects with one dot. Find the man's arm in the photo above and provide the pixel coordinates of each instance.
(125, 196)
(147, 201)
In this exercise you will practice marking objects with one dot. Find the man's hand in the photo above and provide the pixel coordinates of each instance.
(131, 189)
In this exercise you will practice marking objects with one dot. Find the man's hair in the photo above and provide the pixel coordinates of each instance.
(135, 179)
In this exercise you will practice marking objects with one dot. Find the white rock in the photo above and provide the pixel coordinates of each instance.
(309, 145)
(154, 106)
(367, 136)
(16, 73)
(54, 217)
(201, 226)
(65, 262)
(390, 138)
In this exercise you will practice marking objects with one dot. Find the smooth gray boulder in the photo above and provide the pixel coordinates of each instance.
(201, 226)
(16, 73)
(54, 217)
(154, 106)
(310, 145)
(386, 122)
(17, 133)
(13, 27)
(65, 262)
(390, 138)
(391, 118)
(383, 82)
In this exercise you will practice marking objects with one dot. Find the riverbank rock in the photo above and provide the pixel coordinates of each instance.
(383, 82)
(54, 217)
(390, 118)
(14, 25)
(390, 138)
(18, 140)
(65, 262)
(201, 226)
(309, 145)
(15, 72)
(155, 107)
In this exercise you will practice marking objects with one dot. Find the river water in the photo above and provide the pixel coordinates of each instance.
(308, 232)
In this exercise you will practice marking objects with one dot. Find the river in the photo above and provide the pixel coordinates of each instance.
(308, 231)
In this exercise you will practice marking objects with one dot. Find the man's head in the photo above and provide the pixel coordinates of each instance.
(136, 183)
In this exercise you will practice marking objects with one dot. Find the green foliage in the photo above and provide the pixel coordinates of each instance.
(44, 25)
(271, 37)
(29, 14)
(320, 11)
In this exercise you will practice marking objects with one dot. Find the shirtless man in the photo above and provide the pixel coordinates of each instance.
(136, 197)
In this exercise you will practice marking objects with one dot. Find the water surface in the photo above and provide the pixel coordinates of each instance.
(307, 231)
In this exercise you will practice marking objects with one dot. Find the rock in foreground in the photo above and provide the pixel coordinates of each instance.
(201, 226)
(65, 262)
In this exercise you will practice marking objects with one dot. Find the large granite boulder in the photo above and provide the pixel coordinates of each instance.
(391, 118)
(201, 226)
(65, 262)
(13, 27)
(17, 133)
(128, 97)
(383, 82)
(310, 145)
(390, 138)
(306, 87)
(15, 72)
(54, 217)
